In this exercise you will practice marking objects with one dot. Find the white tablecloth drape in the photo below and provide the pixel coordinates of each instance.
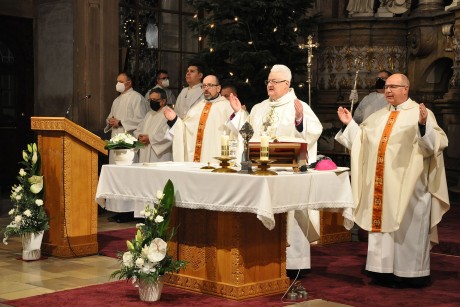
(128, 188)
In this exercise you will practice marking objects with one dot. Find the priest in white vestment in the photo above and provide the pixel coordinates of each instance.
(152, 130)
(192, 94)
(399, 184)
(127, 111)
(283, 115)
(197, 137)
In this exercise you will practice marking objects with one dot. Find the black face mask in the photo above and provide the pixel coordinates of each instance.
(155, 105)
(380, 83)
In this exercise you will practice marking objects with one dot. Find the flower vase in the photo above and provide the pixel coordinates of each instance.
(123, 156)
(31, 244)
(150, 292)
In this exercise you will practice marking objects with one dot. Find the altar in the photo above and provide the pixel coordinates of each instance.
(231, 227)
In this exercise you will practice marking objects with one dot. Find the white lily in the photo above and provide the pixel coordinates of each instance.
(34, 158)
(157, 250)
(37, 184)
(160, 195)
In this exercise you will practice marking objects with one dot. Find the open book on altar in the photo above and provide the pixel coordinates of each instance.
(285, 151)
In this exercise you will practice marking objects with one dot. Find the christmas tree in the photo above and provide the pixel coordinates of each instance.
(243, 39)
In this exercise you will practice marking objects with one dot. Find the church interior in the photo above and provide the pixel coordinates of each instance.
(56, 53)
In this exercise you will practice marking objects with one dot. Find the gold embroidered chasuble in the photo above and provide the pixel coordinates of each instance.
(408, 165)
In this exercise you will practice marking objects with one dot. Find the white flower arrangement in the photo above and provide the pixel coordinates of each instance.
(147, 258)
(28, 214)
(123, 141)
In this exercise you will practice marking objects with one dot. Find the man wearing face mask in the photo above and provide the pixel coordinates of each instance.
(162, 81)
(372, 102)
(152, 129)
(197, 137)
(127, 111)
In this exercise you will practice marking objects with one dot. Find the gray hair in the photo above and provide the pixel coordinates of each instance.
(284, 70)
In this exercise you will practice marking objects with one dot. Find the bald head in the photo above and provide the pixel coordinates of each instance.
(397, 89)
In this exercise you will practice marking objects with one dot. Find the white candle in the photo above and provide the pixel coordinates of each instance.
(264, 141)
(264, 147)
(224, 140)
(224, 145)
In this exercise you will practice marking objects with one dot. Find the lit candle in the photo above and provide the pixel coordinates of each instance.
(264, 147)
(224, 145)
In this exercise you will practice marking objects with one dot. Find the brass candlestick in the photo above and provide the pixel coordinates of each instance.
(262, 168)
(208, 166)
(224, 165)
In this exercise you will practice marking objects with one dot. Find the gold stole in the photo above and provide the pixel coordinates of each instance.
(200, 132)
(378, 181)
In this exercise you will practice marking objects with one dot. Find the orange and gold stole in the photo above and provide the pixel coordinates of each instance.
(200, 132)
(378, 181)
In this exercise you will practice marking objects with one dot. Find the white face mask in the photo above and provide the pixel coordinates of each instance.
(120, 87)
(165, 83)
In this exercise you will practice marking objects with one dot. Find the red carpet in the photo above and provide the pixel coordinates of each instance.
(448, 229)
(337, 275)
(114, 241)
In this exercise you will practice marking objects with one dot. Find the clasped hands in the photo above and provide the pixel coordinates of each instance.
(113, 122)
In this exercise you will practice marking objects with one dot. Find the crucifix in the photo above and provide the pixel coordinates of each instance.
(309, 47)
(246, 132)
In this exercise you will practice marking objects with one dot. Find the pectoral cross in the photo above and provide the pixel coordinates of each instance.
(270, 118)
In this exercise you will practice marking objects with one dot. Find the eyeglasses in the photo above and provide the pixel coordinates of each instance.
(208, 85)
(273, 81)
(393, 86)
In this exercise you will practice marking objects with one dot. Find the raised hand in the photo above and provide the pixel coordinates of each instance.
(344, 115)
(423, 114)
(298, 110)
(169, 113)
(235, 103)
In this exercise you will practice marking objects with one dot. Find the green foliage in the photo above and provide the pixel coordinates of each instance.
(265, 33)
(147, 258)
(28, 214)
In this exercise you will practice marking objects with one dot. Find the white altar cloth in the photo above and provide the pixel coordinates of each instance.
(200, 189)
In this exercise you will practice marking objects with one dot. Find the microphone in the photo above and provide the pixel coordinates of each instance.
(86, 97)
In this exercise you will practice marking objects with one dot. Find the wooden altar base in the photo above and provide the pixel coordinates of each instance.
(229, 254)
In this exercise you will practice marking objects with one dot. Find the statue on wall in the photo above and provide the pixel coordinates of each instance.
(360, 8)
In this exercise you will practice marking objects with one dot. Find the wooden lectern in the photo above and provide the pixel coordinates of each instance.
(70, 169)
